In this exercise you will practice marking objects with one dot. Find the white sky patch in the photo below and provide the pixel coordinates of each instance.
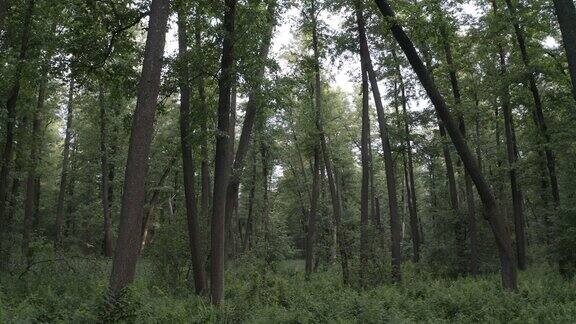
(550, 43)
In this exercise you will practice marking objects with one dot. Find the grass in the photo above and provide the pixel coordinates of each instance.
(73, 292)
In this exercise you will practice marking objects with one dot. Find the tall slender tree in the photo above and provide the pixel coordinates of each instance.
(187, 158)
(65, 166)
(389, 164)
(222, 165)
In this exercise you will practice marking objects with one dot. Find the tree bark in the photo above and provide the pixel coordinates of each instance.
(365, 186)
(188, 160)
(204, 113)
(12, 95)
(390, 168)
(495, 219)
(566, 13)
(537, 112)
(222, 163)
(128, 242)
(311, 230)
(251, 194)
(65, 167)
(107, 226)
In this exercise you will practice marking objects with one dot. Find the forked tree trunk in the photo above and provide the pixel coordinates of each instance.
(495, 219)
(222, 165)
(129, 236)
(187, 158)
(395, 227)
(566, 13)
(65, 167)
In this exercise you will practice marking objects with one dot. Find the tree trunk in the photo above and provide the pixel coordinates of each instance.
(251, 194)
(107, 226)
(336, 206)
(537, 112)
(204, 113)
(395, 228)
(311, 230)
(252, 108)
(188, 160)
(30, 200)
(462, 126)
(512, 155)
(222, 165)
(365, 186)
(495, 219)
(128, 242)
(65, 167)
(409, 166)
(12, 96)
(265, 154)
(150, 205)
(566, 13)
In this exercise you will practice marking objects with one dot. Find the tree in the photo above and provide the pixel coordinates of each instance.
(12, 99)
(222, 165)
(502, 237)
(187, 159)
(566, 13)
(65, 167)
(128, 242)
(388, 159)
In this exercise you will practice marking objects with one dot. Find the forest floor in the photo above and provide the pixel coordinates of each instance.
(72, 290)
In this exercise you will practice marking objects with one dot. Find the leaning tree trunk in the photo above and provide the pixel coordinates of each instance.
(566, 13)
(395, 226)
(222, 165)
(65, 168)
(128, 242)
(538, 114)
(336, 203)
(188, 159)
(493, 215)
(12, 96)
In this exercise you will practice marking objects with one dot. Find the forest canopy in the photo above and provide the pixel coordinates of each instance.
(287, 161)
